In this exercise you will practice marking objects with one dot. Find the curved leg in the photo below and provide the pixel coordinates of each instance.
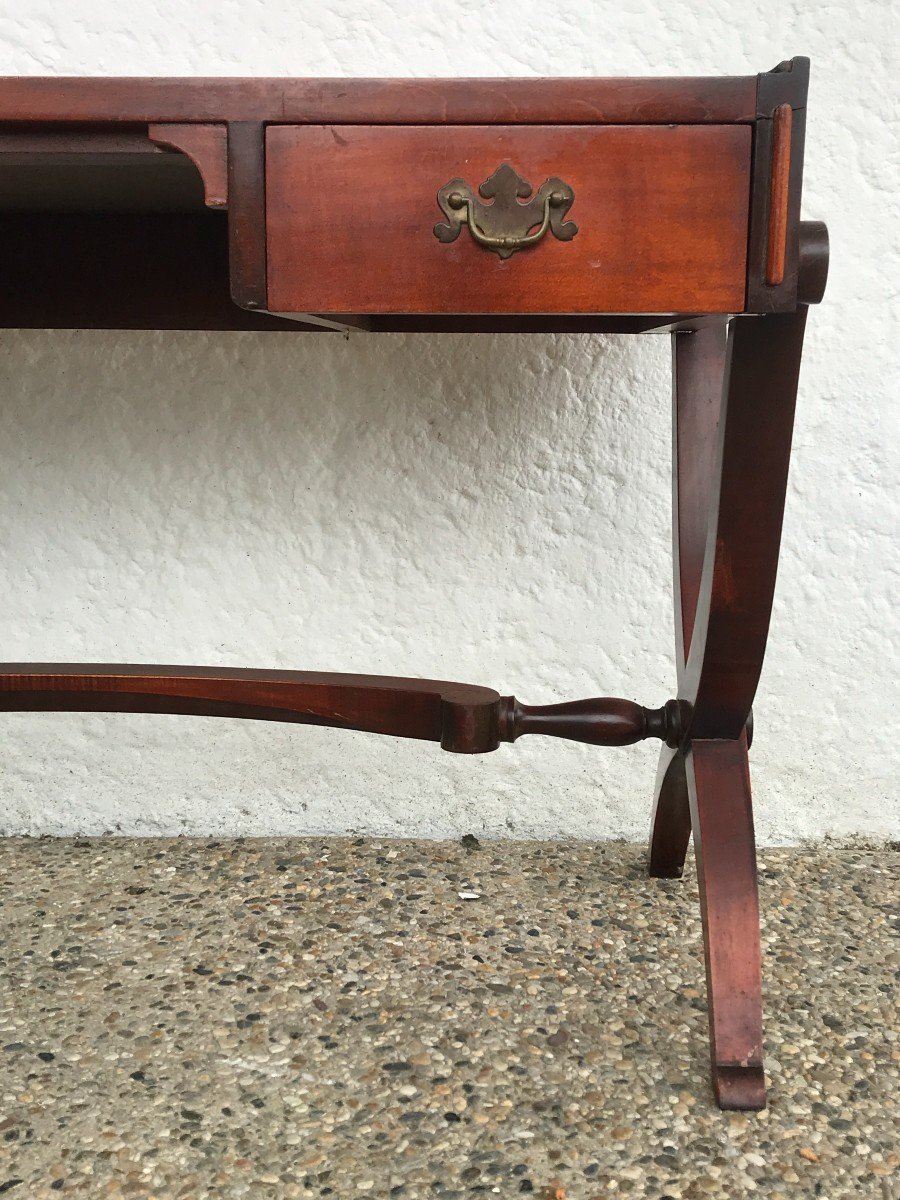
(698, 371)
(721, 813)
(718, 683)
(734, 602)
(723, 625)
(670, 827)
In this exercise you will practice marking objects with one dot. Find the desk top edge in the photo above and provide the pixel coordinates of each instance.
(575, 99)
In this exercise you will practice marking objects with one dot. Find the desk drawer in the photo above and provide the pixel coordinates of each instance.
(661, 215)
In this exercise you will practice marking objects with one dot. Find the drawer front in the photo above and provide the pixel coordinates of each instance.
(661, 215)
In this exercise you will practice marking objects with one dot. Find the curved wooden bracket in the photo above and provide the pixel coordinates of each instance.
(207, 148)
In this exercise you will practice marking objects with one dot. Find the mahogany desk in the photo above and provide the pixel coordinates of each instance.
(590, 205)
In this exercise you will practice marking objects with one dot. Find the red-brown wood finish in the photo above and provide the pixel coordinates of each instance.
(698, 372)
(721, 656)
(670, 819)
(785, 87)
(247, 250)
(464, 718)
(207, 148)
(661, 214)
(746, 512)
(687, 197)
(722, 819)
(383, 101)
(602, 721)
(779, 194)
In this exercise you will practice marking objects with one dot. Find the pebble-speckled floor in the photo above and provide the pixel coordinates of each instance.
(317, 1018)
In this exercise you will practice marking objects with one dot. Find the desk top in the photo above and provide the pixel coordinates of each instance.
(631, 100)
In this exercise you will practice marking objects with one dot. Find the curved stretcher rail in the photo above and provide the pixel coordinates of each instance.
(464, 718)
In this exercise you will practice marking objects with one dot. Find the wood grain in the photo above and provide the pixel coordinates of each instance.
(644, 101)
(207, 148)
(247, 213)
(747, 495)
(662, 215)
(698, 377)
(462, 717)
(722, 821)
(698, 373)
(779, 194)
(787, 84)
(170, 271)
(742, 485)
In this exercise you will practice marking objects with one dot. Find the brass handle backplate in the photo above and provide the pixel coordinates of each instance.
(506, 225)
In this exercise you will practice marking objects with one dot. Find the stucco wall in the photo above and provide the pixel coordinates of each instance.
(493, 509)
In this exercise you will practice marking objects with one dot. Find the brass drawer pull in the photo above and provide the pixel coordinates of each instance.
(505, 226)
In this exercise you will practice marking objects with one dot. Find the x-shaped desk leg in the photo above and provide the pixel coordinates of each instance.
(734, 397)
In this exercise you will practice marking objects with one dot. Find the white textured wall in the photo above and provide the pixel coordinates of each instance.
(493, 509)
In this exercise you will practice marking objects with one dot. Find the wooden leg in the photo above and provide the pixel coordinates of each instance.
(731, 469)
(698, 370)
(720, 676)
(670, 826)
(721, 815)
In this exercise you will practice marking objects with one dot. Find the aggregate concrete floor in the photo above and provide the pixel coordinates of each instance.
(353, 1018)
